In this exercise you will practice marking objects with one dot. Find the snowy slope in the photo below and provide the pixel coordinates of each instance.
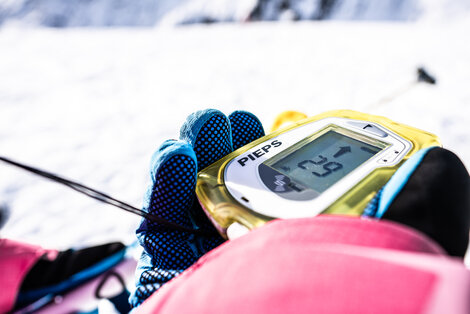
(94, 104)
(99, 13)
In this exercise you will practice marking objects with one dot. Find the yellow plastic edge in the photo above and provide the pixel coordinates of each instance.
(287, 117)
(223, 209)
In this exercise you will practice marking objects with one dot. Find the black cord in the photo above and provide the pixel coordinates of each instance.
(102, 197)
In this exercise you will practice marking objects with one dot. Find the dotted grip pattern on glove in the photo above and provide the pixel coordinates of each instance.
(205, 137)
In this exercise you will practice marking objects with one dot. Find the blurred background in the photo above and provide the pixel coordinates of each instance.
(150, 13)
(90, 88)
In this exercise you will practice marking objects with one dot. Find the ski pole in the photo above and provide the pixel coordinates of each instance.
(422, 77)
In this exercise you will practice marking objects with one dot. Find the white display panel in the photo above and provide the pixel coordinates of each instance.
(306, 175)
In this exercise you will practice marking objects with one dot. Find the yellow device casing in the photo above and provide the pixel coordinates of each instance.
(223, 210)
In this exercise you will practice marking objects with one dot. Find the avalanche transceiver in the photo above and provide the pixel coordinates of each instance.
(331, 163)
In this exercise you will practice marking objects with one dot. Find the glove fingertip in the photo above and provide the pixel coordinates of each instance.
(194, 122)
(167, 150)
(208, 131)
(246, 128)
(173, 180)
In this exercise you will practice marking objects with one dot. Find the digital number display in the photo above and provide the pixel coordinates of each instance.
(325, 160)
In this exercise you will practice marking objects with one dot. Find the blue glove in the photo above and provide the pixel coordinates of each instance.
(205, 137)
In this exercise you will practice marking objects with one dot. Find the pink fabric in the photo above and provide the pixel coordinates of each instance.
(352, 230)
(320, 265)
(16, 259)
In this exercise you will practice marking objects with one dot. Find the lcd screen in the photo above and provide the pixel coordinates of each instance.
(324, 161)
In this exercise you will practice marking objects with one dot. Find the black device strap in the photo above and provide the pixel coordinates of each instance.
(102, 197)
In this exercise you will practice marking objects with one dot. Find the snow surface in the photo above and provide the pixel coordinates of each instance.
(93, 104)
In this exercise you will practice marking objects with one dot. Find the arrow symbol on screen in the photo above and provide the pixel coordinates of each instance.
(342, 150)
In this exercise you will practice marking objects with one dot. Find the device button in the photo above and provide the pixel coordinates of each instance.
(236, 230)
(390, 157)
(370, 128)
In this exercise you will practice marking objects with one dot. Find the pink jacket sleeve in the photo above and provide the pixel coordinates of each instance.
(16, 259)
(320, 265)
